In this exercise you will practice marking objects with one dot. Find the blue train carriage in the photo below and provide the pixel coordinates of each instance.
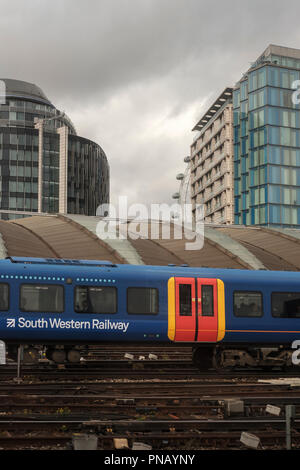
(236, 317)
(230, 317)
(65, 303)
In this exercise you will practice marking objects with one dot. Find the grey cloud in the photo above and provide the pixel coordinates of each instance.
(123, 68)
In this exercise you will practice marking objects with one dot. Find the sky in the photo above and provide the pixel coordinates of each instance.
(136, 75)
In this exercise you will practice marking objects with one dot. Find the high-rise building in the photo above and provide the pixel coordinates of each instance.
(44, 165)
(212, 162)
(267, 141)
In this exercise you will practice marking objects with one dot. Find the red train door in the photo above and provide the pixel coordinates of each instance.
(196, 310)
(185, 309)
(207, 296)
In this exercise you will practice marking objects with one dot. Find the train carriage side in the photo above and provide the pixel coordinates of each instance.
(262, 319)
(65, 301)
(231, 317)
(253, 317)
(262, 307)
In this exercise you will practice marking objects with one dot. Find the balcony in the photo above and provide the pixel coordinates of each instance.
(212, 179)
(215, 162)
(215, 193)
(215, 209)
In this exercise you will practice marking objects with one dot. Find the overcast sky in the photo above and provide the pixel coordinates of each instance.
(135, 75)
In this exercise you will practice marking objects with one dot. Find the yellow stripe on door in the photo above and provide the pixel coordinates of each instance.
(171, 308)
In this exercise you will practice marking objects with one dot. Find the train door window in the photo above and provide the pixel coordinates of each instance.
(207, 300)
(95, 299)
(4, 297)
(185, 300)
(285, 304)
(41, 298)
(248, 304)
(142, 301)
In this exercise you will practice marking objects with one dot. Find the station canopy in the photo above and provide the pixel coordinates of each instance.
(224, 246)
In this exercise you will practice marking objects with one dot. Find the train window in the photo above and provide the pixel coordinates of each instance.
(41, 298)
(185, 300)
(248, 304)
(142, 300)
(285, 304)
(4, 297)
(95, 299)
(207, 300)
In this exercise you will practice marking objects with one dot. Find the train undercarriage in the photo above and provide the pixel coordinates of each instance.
(231, 357)
(205, 357)
(60, 354)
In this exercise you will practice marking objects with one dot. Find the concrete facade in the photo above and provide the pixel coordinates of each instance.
(212, 161)
(63, 169)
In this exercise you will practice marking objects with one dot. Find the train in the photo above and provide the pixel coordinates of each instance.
(230, 317)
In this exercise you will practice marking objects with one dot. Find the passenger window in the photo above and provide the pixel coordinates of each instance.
(185, 300)
(4, 297)
(207, 301)
(41, 298)
(286, 304)
(142, 300)
(248, 304)
(95, 299)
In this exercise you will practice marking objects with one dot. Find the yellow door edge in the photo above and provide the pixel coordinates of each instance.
(171, 308)
(221, 310)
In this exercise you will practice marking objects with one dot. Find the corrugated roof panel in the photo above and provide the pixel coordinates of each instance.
(21, 242)
(67, 239)
(270, 245)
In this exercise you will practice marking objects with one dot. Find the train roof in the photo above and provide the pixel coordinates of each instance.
(71, 267)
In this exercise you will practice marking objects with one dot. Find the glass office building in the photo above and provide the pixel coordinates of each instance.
(44, 165)
(267, 141)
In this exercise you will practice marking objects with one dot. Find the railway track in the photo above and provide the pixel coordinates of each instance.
(105, 370)
(132, 369)
(176, 441)
(183, 434)
(167, 404)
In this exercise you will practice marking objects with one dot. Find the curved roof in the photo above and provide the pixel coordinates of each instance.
(21, 89)
(81, 237)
